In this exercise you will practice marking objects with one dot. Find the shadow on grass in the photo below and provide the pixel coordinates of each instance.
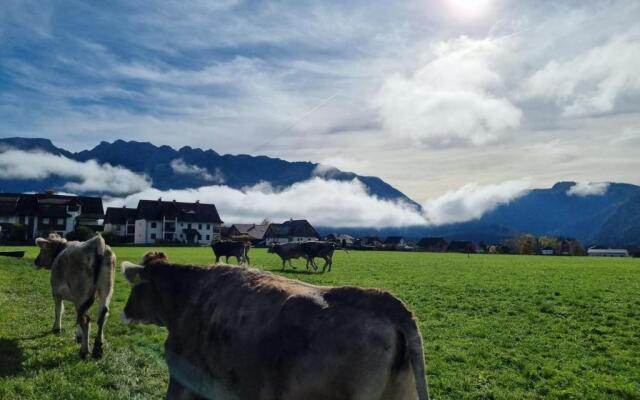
(11, 356)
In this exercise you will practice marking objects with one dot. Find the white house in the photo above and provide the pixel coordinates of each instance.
(156, 220)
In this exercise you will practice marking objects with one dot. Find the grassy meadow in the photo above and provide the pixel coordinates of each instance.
(494, 327)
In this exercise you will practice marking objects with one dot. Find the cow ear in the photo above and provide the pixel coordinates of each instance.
(132, 272)
(41, 242)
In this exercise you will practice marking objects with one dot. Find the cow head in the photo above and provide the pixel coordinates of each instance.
(49, 250)
(154, 256)
(143, 305)
(273, 247)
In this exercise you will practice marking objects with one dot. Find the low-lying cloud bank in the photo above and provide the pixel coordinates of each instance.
(472, 201)
(88, 176)
(323, 202)
(583, 189)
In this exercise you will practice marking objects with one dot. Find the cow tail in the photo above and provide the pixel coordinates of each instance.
(98, 261)
(416, 356)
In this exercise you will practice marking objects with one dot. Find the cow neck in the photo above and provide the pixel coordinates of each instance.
(173, 291)
(58, 248)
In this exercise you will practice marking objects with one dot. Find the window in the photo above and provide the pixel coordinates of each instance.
(153, 236)
(199, 226)
(208, 226)
(189, 226)
(45, 220)
(60, 221)
(208, 238)
(153, 225)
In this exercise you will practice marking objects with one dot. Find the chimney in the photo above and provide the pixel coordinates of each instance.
(159, 198)
(197, 201)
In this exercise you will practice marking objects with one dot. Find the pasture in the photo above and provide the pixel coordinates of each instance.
(494, 327)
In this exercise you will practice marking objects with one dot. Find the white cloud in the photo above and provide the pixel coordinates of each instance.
(583, 189)
(472, 201)
(453, 99)
(593, 81)
(179, 166)
(323, 202)
(88, 176)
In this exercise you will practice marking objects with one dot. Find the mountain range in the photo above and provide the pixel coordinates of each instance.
(610, 217)
(159, 164)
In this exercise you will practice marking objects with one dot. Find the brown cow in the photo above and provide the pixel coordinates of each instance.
(236, 333)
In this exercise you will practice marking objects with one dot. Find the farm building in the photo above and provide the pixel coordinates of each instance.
(395, 242)
(121, 222)
(43, 213)
(371, 242)
(608, 253)
(255, 232)
(171, 221)
(291, 231)
(547, 251)
(341, 240)
(434, 244)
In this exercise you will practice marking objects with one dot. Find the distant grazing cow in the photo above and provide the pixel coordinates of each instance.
(80, 272)
(228, 248)
(243, 334)
(289, 251)
(315, 249)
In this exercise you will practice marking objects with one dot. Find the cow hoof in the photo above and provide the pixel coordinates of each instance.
(56, 330)
(78, 339)
(84, 354)
(97, 351)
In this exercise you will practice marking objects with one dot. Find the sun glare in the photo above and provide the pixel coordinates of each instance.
(469, 8)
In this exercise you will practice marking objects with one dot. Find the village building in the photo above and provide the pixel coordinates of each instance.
(395, 242)
(252, 232)
(432, 244)
(593, 252)
(44, 213)
(290, 231)
(548, 251)
(167, 221)
(121, 222)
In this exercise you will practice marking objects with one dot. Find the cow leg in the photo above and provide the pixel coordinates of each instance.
(283, 262)
(84, 343)
(313, 264)
(217, 259)
(247, 260)
(239, 258)
(326, 263)
(103, 312)
(57, 322)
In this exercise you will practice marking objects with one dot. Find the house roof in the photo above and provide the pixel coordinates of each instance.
(255, 232)
(187, 212)
(393, 240)
(292, 228)
(48, 205)
(120, 216)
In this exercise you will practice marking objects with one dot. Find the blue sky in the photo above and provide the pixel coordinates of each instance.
(430, 95)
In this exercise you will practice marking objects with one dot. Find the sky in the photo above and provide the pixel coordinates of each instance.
(436, 97)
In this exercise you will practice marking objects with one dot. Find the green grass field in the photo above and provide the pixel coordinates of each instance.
(494, 327)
